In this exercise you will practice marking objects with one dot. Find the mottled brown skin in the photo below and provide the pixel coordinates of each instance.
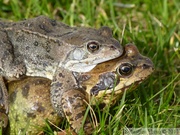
(44, 47)
(30, 105)
(115, 76)
(91, 86)
(98, 85)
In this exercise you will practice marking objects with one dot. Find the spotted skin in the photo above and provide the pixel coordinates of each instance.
(104, 84)
(97, 85)
(29, 105)
(40, 46)
(69, 100)
(74, 107)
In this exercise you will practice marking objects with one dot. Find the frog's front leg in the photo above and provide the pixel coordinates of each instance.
(106, 81)
(11, 65)
(11, 62)
(69, 100)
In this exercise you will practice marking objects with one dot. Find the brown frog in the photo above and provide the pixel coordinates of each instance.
(104, 84)
(115, 76)
(44, 47)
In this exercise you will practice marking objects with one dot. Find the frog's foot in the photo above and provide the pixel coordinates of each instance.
(74, 107)
(3, 120)
(16, 70)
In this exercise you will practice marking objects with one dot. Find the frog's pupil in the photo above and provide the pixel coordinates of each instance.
(93, 46)
(125, 69)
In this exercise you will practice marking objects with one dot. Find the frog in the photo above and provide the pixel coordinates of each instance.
(110, 79)
(105, 84)
(42, 46)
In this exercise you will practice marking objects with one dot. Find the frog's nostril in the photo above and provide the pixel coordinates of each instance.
(145, 66)
(113, 47)
(148, 64)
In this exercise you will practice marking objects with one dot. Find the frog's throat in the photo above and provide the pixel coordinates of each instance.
(79, 67)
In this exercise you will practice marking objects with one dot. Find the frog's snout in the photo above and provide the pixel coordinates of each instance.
(115, 45)
(148, 64)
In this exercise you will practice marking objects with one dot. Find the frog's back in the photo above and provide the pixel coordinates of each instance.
(34, 42)
(41, 24)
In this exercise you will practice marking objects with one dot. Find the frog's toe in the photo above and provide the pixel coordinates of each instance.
(15, 70)
(3, 120)
(19, 71)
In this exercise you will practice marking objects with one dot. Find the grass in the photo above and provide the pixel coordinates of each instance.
(154, 26)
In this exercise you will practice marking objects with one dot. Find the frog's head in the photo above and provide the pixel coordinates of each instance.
(91, 47)
(127, 72)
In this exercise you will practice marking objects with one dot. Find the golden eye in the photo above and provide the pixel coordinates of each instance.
(125, 69)
(93, 46)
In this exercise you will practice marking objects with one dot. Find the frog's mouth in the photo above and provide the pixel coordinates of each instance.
(81, 67)
(84, 65)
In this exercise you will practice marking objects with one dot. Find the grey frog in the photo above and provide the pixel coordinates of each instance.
(44, 47)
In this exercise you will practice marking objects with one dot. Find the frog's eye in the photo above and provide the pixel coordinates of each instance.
(93, 46)
(125, 69)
